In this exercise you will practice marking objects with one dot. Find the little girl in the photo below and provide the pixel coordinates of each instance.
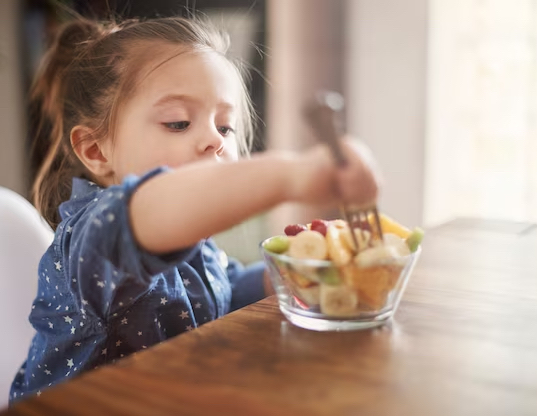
(145, 121)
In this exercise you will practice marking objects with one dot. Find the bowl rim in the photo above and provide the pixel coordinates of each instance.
(320, 263)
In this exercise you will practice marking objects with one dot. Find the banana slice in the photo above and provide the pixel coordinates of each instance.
(398, 243)
(377, 255)
(338, 301)
(337, 251)
(362, 236)
(341, 224)
(308, 245)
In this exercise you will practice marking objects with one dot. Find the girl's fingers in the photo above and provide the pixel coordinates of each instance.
(357, 148)
(358, 181)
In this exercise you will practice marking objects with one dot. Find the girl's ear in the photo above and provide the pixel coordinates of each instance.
(91, 152)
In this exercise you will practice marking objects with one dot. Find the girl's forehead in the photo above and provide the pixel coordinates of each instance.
(201, 72)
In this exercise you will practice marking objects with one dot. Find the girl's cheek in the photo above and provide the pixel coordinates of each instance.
(231, 152)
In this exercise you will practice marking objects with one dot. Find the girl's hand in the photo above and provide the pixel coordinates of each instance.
(359, 180)
(317, 179)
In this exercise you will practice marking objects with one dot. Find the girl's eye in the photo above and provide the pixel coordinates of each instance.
(177, 125)
(225, 130)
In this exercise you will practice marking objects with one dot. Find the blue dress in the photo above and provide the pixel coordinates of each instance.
(102, 297)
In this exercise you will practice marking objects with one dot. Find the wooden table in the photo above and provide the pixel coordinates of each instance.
(464, 342)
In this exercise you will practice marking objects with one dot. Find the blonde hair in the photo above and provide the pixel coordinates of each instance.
(88, 72)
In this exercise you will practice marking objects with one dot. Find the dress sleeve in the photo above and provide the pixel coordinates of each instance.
(246, 283)
(105, 262)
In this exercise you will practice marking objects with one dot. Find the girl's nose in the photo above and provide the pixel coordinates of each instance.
(211, 143)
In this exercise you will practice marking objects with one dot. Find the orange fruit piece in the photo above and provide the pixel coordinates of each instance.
(389, 225)
(373, 284)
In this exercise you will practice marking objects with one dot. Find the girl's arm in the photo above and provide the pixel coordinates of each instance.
(177, 209)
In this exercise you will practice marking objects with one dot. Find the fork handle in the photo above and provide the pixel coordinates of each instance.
(322, 115)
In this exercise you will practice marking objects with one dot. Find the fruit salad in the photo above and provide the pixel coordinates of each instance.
(324, 271)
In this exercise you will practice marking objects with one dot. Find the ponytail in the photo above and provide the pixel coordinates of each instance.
(52, 183)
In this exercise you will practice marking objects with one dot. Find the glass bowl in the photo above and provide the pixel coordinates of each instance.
(317, 295)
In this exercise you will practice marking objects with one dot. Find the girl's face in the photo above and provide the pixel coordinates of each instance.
(185, 110)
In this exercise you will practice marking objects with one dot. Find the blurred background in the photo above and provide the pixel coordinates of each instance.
(444, 92)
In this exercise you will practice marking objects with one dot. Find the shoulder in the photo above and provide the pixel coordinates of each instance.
(93, 203)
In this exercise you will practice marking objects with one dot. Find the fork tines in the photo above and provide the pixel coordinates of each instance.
(365, 219)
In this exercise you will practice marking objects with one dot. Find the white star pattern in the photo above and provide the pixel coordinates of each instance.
(38, 393)
(105, 276)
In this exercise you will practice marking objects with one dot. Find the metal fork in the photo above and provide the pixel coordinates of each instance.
(324, 115)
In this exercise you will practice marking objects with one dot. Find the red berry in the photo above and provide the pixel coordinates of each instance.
(320, 226)
(294, 229)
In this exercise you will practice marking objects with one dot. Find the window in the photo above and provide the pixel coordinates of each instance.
(481, 150)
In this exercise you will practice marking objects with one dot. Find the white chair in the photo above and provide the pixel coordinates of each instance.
(24, 237)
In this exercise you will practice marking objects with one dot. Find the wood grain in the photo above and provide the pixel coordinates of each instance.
(463, 342)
